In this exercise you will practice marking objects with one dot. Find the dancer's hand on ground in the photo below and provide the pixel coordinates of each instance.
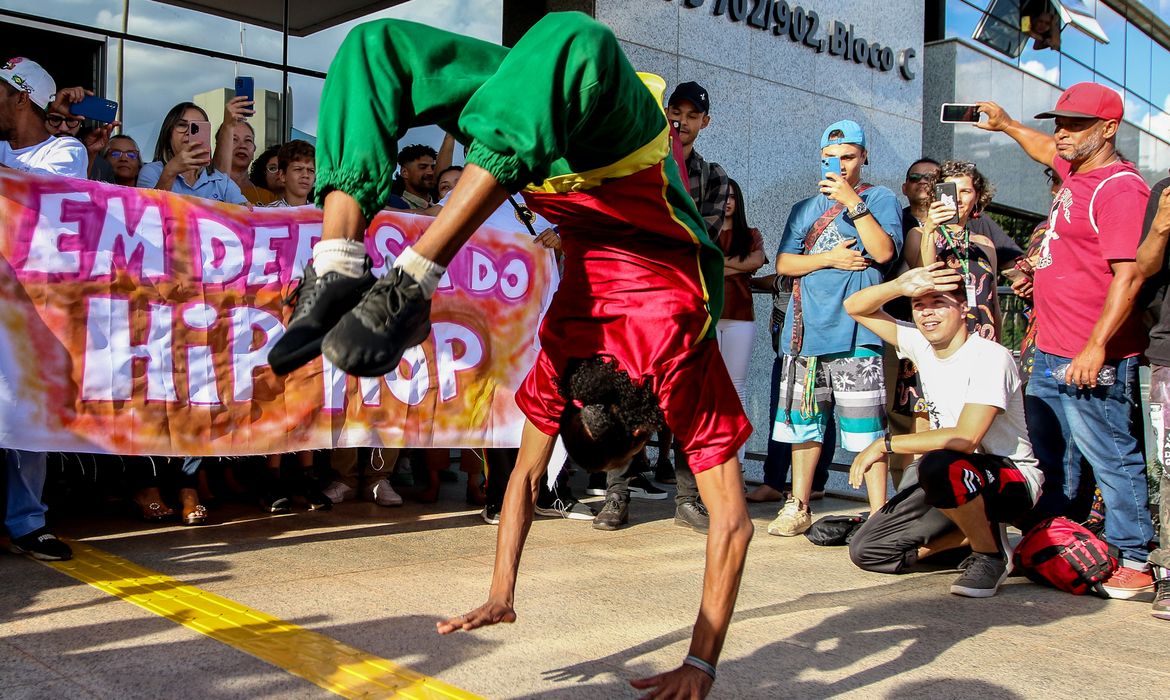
(924, 280)
(683, 683)
(490, 613)
(843, 257)
(864, 461)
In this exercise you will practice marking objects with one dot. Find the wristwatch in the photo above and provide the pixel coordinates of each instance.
(858, 211)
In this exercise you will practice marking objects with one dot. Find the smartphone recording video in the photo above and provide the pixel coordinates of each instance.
(959, 113)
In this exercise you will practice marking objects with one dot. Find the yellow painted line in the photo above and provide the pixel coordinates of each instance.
(321, 660)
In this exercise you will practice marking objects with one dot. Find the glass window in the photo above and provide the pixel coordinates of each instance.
(99, 14)
(482, 19)
(1044, 64)
(1072, 72)
(1160, 78)
(1137, 61)
(1077, 44)
(962, 19)
(1137, 110)
(158, 20)
(1110, 58)
(156, 79)
(306, 103)
(1160, 124)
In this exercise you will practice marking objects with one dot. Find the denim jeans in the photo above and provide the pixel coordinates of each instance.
(25, 473)
(1066, 423)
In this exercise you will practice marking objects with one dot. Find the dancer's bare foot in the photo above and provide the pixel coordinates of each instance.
(764, 494)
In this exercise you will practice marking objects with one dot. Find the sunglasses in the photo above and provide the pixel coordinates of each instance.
(55, 120)
(132, 155)
(918, 177)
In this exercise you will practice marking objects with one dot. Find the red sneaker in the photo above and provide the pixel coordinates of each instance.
(1127, 583)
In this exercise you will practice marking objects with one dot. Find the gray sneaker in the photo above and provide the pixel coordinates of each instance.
(614, 514)
(1161, 608)
(693, 515)
(982, 575)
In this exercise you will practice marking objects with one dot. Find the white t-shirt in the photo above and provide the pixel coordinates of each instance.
(53, 156)
(981, 372)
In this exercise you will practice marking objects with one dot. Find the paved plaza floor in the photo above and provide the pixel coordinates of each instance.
(311, 605)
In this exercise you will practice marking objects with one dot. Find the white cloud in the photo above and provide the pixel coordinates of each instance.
(1038, 69)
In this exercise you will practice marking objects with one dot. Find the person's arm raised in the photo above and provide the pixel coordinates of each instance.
(515, 520)
(865, 306)
(1039, 146)
(1151, 253)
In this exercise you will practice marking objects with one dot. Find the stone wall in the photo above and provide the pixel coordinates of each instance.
(770, 100)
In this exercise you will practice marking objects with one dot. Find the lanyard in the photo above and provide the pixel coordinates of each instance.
(964, 256)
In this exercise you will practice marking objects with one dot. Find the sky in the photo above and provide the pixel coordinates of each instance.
(156, 79)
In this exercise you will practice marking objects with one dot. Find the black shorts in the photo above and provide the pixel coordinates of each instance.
(951, 479)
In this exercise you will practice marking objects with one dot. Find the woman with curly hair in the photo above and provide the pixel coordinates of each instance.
(972, 255)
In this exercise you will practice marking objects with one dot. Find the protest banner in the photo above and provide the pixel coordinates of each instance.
(138, 322)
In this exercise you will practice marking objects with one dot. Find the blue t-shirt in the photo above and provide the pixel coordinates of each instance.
(827, 328)
(216, 186)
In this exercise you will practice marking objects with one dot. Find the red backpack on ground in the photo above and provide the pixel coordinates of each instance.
(1061, 553)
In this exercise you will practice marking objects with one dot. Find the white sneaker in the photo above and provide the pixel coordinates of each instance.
(793, 519)
(338, 492)
(384, 494)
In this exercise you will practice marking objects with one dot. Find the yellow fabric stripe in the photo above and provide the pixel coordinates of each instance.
(650, 154)
(698, 246)
(321, 660)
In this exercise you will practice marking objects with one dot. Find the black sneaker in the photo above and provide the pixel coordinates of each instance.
(391, 317)
(642, 488)
(318, 304)
(614, 514)
(490, 514)
(276, 503)
(316, 500)
(41, 544)
(597, 482)
(693, 515)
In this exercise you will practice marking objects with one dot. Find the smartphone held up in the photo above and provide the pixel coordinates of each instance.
(98, 109)
(948, 194)
(199, 133)
(952, 113)
(831, 164)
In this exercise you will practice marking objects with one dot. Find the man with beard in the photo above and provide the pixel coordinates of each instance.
(416, 168)
(1080, 398)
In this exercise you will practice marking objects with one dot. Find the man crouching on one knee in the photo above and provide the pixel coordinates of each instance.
(977, 472)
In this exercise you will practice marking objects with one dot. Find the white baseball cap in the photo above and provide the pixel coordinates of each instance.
(28, 76)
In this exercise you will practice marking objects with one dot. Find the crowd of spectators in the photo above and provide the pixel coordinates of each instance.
(886, 325)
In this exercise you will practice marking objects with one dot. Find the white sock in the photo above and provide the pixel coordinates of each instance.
(426, 272)
(339, 255)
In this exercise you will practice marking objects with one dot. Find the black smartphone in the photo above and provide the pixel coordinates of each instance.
(98, 109)
(959, 113)
(948, 194)
(246, 87)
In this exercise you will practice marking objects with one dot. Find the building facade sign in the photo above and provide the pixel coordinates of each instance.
(803, 26)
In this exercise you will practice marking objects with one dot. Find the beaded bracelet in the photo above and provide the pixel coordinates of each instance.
(701, 665)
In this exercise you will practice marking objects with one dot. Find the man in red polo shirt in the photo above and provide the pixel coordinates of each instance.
(1080, 398)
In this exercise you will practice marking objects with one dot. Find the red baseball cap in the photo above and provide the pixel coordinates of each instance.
(1087, 100)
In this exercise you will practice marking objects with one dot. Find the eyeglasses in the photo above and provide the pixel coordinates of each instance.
(272, 167)
(55, 120)
(182, 127)
(918, 177)
(132, 155)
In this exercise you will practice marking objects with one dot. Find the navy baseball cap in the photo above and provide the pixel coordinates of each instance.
(691, 92)
(851, 133)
